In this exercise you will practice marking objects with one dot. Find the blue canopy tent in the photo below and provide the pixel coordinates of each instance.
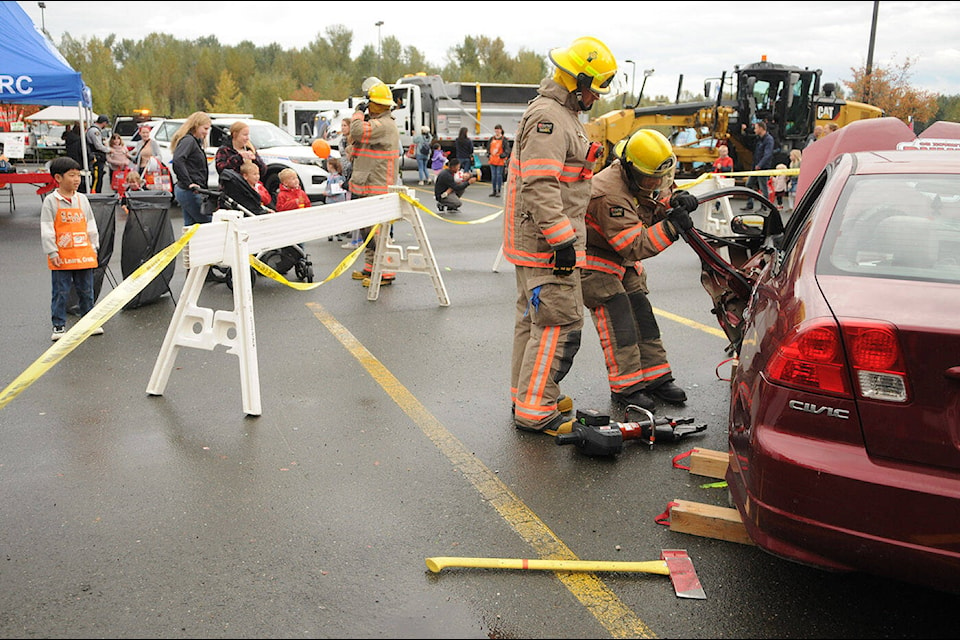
(32, 71)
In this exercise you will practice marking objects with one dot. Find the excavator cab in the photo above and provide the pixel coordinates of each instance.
(783, 96)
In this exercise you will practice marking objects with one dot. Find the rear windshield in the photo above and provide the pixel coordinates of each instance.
(896, 226)
(125, 127)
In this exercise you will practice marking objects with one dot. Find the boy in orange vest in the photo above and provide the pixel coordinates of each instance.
(69, 236)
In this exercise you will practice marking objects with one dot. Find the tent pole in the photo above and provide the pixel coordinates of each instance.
(83, 143)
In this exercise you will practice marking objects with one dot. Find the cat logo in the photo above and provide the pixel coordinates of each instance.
(826, 112)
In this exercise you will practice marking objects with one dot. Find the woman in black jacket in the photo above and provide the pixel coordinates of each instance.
(190, 166)
(464, 150)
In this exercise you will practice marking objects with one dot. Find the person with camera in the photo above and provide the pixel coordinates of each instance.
(498, 150)
(375, 149)
(547, 192)
(627, 222)
(449, 189)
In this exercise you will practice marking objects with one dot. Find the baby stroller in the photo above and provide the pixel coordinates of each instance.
(236, 193)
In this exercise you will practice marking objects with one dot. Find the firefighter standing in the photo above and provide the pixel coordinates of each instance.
(626, 222)
(375, 154)
(546, 198)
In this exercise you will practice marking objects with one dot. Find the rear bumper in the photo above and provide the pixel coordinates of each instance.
(831, 506)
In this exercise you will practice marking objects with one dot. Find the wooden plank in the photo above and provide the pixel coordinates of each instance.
(708, 521)
(709, 463)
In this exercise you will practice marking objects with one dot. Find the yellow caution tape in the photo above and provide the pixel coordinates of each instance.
(345, 264)
(485, 219)
(103, 311)
(739, 174)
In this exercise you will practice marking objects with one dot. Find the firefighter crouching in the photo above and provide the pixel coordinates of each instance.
(547, 192)
(626, 222)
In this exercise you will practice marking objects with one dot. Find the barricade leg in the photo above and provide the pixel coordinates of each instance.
(414, 259)
(203, 328)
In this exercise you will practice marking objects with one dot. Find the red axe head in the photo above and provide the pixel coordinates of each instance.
(686, 584)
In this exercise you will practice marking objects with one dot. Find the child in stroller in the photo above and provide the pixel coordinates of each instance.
(236, 193)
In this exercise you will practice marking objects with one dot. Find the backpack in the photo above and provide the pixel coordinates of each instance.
(424, 148)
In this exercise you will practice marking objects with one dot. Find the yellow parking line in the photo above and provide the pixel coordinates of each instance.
(693, 324)
(618, 619)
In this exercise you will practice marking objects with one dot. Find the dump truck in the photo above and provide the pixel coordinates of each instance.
(445, 107)
(789, 99)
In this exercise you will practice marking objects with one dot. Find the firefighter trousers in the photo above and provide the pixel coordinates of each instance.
(549, 320)
(629, 334)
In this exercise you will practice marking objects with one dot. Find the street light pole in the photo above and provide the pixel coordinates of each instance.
(873, 37)
(379, 49)
(43, 22)
(633, 75)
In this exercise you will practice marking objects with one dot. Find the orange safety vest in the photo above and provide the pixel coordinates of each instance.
(73, 243)
(496, 146)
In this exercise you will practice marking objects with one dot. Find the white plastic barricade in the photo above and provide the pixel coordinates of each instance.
(713, 217)
(229, 241)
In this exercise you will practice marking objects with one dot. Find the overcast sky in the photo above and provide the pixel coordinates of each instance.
(697, 40)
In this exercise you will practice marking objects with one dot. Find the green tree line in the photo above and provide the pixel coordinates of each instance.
(173, 77)
(177, 77)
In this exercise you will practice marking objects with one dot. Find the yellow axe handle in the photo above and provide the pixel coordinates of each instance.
(651, 566)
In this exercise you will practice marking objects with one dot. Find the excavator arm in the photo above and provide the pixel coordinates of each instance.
(708, 119)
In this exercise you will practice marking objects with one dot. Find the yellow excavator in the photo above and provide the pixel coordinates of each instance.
(789, 99)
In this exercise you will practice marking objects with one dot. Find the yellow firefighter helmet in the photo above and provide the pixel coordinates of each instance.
(647, 156)
(381, 94)
(648, 152)
(585, 59)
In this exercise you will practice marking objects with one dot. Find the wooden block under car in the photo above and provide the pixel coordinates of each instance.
(708, 521)
(709, 463)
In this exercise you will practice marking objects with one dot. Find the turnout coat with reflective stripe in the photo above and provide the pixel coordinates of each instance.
(375, 152)
(616, 234)
(548, 182)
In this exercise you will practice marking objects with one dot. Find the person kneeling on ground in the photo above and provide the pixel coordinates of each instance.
(448, 189)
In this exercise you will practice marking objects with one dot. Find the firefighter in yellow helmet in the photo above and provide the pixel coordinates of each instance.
(627, 221)
(546, 196)
(375, 154)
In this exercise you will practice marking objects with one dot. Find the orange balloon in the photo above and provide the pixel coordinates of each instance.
(321, 147)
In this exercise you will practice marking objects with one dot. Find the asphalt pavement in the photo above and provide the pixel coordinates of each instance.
(385, 439)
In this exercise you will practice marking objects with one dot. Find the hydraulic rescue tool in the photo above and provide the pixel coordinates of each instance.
(595, 434)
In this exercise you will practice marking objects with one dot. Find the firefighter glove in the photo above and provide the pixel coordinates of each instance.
(564, 261)
(362, 106)
(684, 200)
(680, 218)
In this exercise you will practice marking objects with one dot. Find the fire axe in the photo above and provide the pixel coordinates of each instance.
(673, 562)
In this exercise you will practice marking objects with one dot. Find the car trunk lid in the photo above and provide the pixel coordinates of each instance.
(925, 429)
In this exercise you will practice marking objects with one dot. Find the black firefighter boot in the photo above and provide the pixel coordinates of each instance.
(665, 389)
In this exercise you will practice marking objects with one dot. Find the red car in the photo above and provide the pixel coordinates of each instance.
(844, 424)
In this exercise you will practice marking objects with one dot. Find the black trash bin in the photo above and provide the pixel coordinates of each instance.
(105, 213)
(148, 230)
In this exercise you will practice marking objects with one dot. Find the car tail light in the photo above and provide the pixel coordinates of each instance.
(876, 358)
(812, 357)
